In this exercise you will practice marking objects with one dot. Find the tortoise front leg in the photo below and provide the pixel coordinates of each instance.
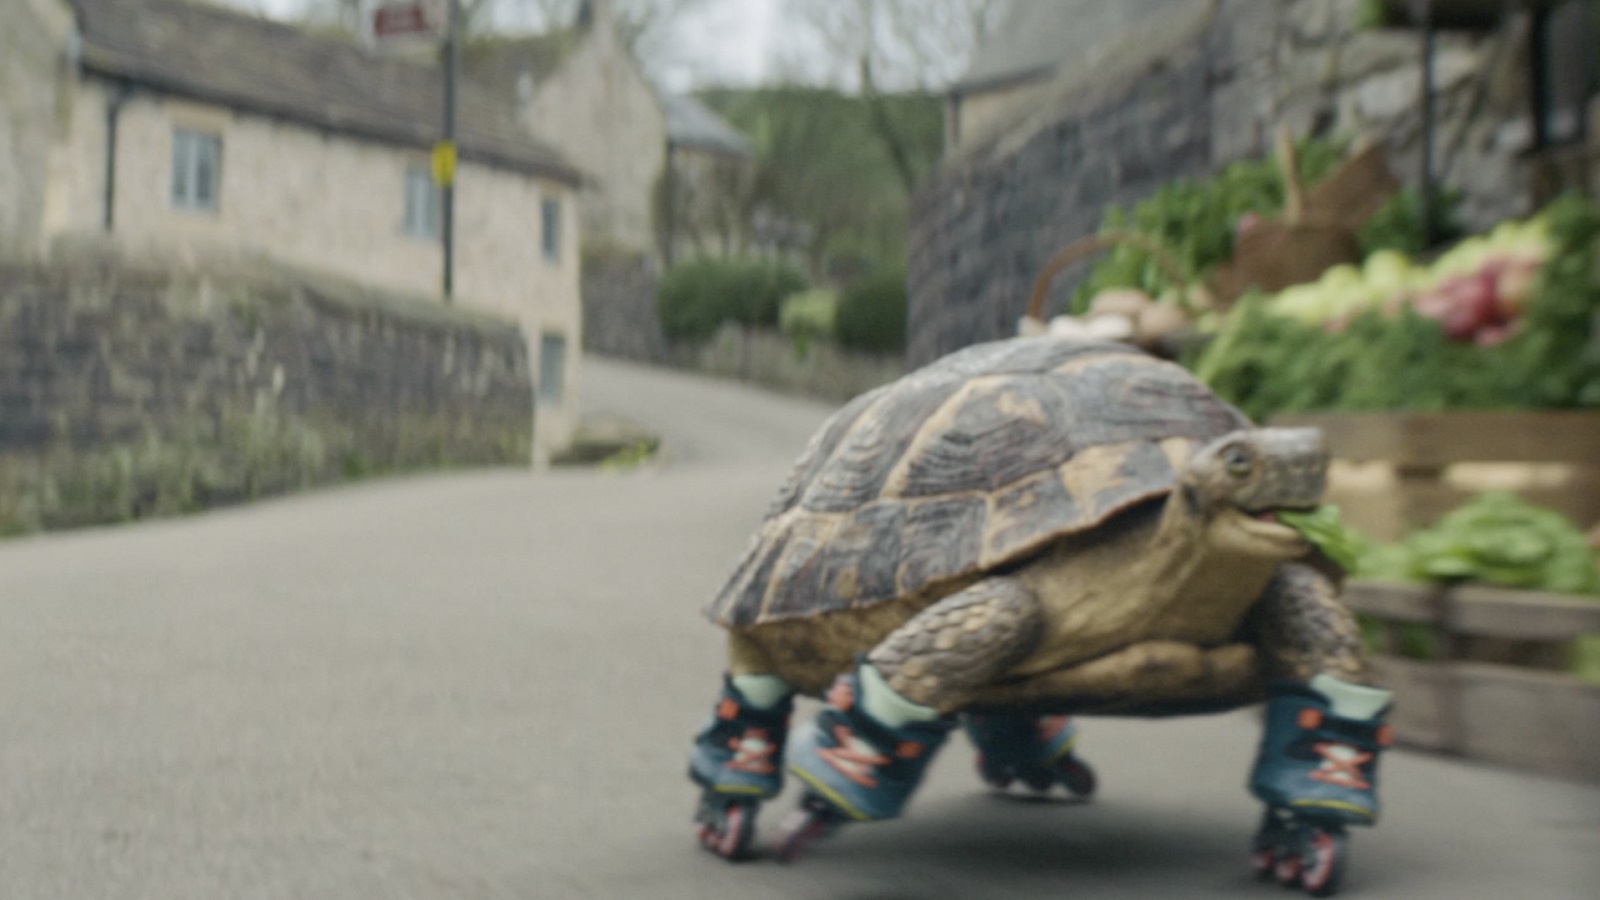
(1316, 770)
(1305, 631)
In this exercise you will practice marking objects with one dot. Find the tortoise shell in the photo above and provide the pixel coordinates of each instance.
(969, 464)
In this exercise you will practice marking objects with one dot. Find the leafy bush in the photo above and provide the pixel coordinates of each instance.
(872, 313)
(1397, 225)
(808, 316)
(696, 298)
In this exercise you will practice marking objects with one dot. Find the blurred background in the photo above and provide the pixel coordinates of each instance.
(252, 247)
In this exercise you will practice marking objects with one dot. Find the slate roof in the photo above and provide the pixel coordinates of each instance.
(1035, 37)
(692, 124)
(272, 69)
(498, 63)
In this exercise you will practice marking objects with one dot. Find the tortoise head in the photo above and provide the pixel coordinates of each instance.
(1236, 484)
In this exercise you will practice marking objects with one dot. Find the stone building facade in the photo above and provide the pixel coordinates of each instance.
(1173, 88)
(171, 125)
(583, 90)
(663, 171)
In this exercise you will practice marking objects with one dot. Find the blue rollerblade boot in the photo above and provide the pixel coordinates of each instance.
(1317, 773)
(1036, 750)
(855, 767)
(738, 760)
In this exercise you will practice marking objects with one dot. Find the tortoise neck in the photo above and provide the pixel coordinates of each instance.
(1201, 588)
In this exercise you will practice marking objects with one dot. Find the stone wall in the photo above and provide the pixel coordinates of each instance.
(619, 320)
(981, 230)
(141, 387)
(619, 307)
(821, 370)
(1210, 93)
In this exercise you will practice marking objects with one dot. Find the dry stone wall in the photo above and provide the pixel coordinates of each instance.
(132, 388)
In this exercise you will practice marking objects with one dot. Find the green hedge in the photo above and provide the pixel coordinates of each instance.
(696, 298)
(872, 313)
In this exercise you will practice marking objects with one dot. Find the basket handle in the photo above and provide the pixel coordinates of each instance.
(1294, 194)
(1095, 243)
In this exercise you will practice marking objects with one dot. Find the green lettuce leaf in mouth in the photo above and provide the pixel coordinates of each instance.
(1323, 528)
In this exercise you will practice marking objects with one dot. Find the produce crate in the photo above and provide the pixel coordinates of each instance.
(1532, 716)
(1394, 472)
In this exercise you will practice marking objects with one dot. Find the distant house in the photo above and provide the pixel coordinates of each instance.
(163, 121)
(702, 205)
(582, 89)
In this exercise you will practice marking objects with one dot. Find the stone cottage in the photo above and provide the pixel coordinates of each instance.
(582, 89)
(664, 172)
(1077, 104)
(166, 123)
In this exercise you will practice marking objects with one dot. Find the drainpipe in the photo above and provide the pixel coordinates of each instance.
(113, 113)
(671, 174)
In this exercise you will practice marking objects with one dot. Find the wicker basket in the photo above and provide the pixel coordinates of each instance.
(1317, 231)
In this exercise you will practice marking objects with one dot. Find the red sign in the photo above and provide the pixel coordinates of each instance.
(401, 20)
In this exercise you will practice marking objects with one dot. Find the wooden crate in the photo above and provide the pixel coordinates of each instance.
(1398, 471)
(1531, 715)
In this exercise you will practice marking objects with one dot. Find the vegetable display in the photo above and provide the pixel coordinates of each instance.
(1495, 539)
(1501, 321)
(1197, 220)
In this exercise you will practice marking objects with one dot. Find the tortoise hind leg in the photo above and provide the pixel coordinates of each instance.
(960, 644)
(883, 722)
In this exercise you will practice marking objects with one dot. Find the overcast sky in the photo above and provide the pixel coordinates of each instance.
(723, 42)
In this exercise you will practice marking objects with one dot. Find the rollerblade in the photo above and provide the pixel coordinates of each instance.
(1035, 750)
(1317, 773)
(855, 768)
(738, 761)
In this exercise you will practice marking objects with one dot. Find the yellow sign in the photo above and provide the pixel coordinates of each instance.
(444, 163)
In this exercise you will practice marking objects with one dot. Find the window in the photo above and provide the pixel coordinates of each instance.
(196, 169)
(424, 204)
(550, 216)
(552, 366)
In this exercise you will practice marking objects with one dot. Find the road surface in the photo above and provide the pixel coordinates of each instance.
(483, 685)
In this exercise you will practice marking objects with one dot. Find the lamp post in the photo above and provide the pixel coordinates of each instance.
(444, 158)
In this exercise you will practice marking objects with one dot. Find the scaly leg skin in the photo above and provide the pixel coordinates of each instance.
(1305, 631)
(866, 753)
(1316, 770)
(960, 644)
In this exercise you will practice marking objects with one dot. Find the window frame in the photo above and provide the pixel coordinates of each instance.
(549, 390)
(550, 228)
(189, 191)
(430, 226)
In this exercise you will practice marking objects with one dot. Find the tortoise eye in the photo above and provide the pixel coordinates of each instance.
(1237, 462)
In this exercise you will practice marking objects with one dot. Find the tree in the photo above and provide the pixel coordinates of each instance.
(821, 171)
(878, 47)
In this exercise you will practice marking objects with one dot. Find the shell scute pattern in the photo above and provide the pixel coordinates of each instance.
(863, 457)
(968, 464)
(942, 540)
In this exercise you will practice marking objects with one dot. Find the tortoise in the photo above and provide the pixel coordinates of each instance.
(1031, 527)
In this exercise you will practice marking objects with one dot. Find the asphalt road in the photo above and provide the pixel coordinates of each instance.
(482, 686)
